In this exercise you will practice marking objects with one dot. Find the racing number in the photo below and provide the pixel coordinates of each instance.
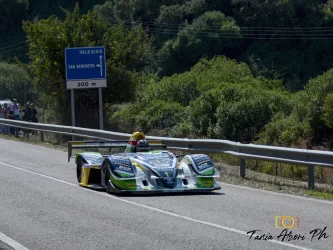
(83, 84)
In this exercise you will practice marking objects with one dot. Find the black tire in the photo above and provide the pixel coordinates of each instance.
(107, 183)
(79, 170)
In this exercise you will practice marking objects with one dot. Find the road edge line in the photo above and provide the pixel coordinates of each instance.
(12, 243)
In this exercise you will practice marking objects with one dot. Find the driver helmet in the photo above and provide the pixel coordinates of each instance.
(142, 146)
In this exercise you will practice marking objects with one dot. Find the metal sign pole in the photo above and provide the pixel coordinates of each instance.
(100, 108)
(73, 110)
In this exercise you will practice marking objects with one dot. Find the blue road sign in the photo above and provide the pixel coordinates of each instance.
(85, 63)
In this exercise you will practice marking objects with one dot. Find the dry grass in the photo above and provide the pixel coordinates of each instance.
(230, 174)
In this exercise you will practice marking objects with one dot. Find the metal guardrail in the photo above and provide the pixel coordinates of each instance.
(310, 158)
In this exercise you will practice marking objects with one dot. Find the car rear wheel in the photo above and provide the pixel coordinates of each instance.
(107, 182)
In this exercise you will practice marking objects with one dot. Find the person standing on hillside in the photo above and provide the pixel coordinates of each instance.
(16, 112)
(27, 113)
(34, 113)
(10, 115)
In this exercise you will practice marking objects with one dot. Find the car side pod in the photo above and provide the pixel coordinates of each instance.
(199, 171)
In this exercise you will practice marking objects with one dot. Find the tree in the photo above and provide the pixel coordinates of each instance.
(107, 10)
(279, 13)
(128, 51)
(41, 9)
(205, 37)
(217, 98)
(310, 118)
(16, 83)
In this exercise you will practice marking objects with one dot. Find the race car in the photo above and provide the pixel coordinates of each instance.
(145, 166)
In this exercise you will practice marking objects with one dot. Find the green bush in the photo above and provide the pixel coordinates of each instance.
(123, 117)
(182, 130)
(285, 131)
(177, 88)
(202, 110)
(160, 115)
(242, 121)
(310, 119)
(327, 115)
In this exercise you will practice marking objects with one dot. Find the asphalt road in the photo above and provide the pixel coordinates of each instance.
(42, 207)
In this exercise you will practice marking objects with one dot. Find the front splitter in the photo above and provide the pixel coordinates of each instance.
(163, 190)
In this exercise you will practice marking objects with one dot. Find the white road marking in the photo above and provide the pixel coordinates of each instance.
(12, 243)
(156, 209)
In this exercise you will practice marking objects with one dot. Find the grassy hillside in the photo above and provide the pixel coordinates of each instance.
(249, 71)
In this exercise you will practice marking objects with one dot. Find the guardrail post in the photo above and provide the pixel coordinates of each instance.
(73, 137)
(311, 177)
(41, 136)
(242, 167)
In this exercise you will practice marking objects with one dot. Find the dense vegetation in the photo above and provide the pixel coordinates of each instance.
(250, 71)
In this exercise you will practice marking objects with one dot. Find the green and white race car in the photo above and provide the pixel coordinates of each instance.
(143, 167)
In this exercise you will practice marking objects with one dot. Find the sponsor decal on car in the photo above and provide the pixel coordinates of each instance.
(124, 168)
(202, 162)
(124, 171)
(204, 166)
(105, 144)
(121, 161)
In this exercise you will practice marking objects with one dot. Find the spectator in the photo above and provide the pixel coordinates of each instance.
(16, 109)
(16, 113)
(27, 113)
(11, 115)
(34, 113)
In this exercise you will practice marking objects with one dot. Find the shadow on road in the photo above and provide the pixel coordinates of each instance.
(170, 194)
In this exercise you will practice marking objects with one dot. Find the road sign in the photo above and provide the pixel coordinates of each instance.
(86, 68)
(86, 84)
(84, 65)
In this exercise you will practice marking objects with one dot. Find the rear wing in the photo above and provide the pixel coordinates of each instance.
(106, 144)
